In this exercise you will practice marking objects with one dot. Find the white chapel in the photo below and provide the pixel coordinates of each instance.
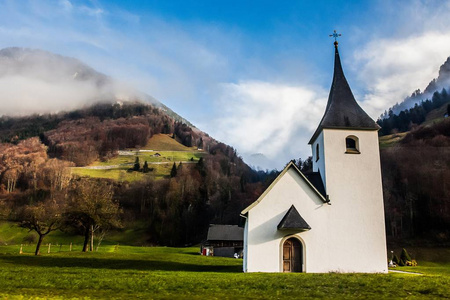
(331, 220)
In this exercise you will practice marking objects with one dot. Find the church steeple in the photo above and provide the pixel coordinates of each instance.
(342, 111)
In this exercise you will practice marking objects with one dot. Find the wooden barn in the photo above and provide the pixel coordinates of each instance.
(223, 240)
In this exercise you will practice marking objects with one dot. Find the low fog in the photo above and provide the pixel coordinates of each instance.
(36, 81)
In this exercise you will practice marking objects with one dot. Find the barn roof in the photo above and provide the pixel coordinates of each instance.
(321, 194)
(293, 220)
(225, 233)
(342, 110)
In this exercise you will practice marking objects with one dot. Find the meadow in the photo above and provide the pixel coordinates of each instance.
(117, 271)
(168, 150)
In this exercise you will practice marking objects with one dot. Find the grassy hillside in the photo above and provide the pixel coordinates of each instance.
(160, 153)
(12, 234)
(139, 272)
(433, 117)
(436, 115)
(166, 142)
(390, 140)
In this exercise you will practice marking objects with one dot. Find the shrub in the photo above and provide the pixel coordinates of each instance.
(405, 256)
(396, 260)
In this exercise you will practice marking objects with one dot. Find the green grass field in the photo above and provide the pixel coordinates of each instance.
(116, 174)
(387, 141)
(436, 115)
(12, 234)
(159, 272)
(166, 156)
(121, 174)
(170, 151)
(166, 142)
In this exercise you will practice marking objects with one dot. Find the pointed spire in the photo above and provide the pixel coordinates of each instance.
(342, 110)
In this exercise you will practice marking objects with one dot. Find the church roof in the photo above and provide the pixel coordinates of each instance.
(321, 196)
(225, 233)
(316, 180)
(342, 110)
(293, 220)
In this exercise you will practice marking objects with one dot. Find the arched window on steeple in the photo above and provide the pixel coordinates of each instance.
(352, 144)
(317, 152)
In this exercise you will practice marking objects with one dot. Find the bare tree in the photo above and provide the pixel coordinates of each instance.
(91, 207)
(43, 218)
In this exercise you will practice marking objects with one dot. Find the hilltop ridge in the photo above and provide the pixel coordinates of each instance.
(435, 85)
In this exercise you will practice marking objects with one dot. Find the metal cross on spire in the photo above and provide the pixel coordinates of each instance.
(335, 35)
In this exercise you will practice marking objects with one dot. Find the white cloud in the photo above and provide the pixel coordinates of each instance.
(66, 5)
(182, 64)
(276, 120)
(26, 95)
(392, 69)
(405, 55)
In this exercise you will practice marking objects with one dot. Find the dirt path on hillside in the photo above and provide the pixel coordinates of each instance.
(131, 164)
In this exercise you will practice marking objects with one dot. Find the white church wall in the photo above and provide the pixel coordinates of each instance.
(357, 240)
(264, 248)
(319, 164)
(245, 251)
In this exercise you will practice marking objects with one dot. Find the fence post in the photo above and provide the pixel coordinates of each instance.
(49, 245)
(21, 249)
(70, 247)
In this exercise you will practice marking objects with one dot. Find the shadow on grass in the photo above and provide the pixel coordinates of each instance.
(116, 264)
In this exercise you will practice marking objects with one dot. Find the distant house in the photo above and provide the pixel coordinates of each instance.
(223, 240)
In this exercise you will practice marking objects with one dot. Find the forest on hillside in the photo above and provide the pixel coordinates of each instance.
(416, 177)
(38, 151)
(35, 175)
(408, 118)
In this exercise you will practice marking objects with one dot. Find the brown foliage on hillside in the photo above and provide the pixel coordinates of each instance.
(27, 166)
(416, 176)
(178, 210)
(84, 141)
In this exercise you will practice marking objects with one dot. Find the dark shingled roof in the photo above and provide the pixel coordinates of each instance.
(342, 109)
(293, 220)
(225, 233)
(316, 181)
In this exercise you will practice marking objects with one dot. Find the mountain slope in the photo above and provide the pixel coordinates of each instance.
(416, 172)
(37, 81)
(437, 84)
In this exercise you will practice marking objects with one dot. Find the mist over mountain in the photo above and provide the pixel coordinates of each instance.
(37, 81)
(437, 84)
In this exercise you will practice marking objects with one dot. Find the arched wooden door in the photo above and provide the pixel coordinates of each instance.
(292, 255)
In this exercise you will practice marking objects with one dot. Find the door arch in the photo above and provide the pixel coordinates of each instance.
(292, 255)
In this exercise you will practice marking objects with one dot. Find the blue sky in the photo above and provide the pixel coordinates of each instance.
(253, 74)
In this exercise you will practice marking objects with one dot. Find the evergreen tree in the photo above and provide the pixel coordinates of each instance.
(405, 256)
(396, 260)
(145, 167)
(137, 165)
(201, 167)
(200, 144)
(173, 172)
(415, 115)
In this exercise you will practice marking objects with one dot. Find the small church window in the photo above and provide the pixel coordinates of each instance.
(352, 144)
(317, 152)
